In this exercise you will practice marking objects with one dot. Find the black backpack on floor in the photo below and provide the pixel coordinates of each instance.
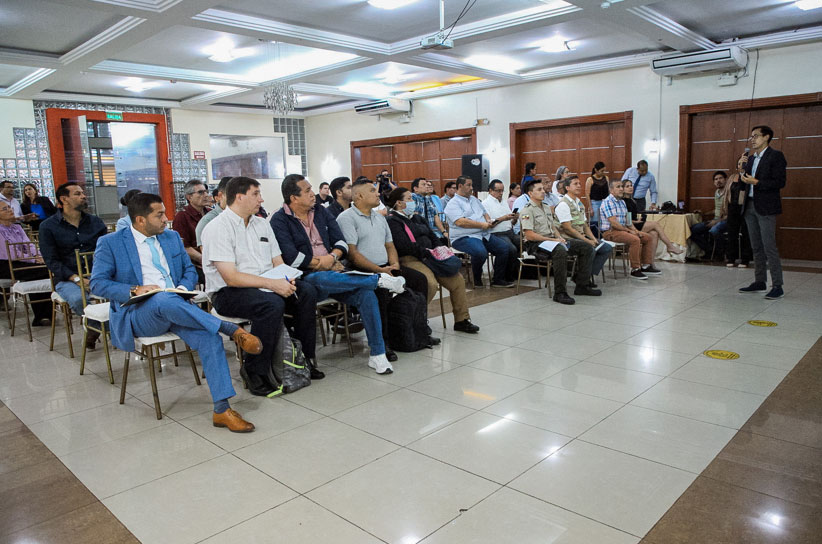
(408, 322)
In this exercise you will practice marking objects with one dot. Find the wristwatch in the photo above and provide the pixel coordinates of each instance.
(76, 280)
(133, 291)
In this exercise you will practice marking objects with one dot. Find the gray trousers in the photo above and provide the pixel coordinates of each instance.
(762, 231)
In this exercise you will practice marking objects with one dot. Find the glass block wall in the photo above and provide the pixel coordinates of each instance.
(295, 131)
(184, 167)
(31, 162)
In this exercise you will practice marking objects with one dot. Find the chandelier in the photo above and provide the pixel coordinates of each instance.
(280, 98)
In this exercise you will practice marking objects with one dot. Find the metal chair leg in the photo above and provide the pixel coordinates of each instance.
(67, 317)
(83, 352)
(347, 332)
(104, 333)
(174, 351)
(26, 303)
(194, 366)
(442, 308)
(125, 378)
(53, 324)
(154, 393)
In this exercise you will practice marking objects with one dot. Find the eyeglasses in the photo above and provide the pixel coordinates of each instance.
(200, 192)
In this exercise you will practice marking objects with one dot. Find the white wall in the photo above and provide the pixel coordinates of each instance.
(782, 71)
(13, 113)
(199, 124)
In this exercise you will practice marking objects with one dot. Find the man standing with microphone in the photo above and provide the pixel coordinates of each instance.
(764, 175)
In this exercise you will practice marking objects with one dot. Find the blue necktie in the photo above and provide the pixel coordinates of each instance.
(155, 259)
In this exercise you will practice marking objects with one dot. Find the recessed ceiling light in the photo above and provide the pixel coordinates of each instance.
(556, 44)
(390, 4)
(223, 50)
(393, 75)
(806, 5)
(137, 85)
(494, 62)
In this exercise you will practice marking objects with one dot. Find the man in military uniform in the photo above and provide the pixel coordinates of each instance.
(538, 226)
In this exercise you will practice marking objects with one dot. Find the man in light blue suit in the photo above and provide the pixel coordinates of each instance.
(145, 257)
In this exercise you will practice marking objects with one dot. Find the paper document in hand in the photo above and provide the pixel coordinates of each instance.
(283, 271)
(140, 298)
(550, 246)
(358, 273)
(603, 242)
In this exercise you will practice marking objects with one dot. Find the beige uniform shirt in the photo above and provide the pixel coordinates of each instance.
(539, 219)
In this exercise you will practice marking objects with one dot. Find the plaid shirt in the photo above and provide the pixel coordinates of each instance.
(427, 209)
(612, 207)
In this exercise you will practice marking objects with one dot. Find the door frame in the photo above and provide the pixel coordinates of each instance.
(54, 118)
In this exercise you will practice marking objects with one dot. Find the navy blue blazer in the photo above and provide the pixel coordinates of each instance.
(117, 269)
(771, 175)
(294, 242)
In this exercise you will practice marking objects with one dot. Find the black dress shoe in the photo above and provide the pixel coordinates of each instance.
(587, 291)
(563, 298)
(256, 384)
(466, 326)
(42, 322)
(390, 355)
(316, 374)
(434, 341)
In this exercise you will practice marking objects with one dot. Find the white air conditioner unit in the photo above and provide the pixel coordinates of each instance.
(384, 106)
(722, 59)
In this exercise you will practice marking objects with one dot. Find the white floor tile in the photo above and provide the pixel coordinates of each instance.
(510, 517)
(89, 393)
(608, 486)
(603, 381)
(524, 364)
(760, 354)
(671, 440)
(641, 359)
(464, 349)
(615, 332)
(691, 344)
(315, 454)
(470, 387)
(731, 375)
(403, 496)
(489, 446)
(705, 325)
(182, 401)
(343, 391)
(409, 369)
(554, 409)
(701, 402)
(183, 507)
(565, 347)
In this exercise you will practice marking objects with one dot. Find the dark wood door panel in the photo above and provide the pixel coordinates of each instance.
(381, 155)
(712, 156)
(534, 140)
(564, 158)
(372, 171)
(589, 157)
(619, 160)
(564, 137)
(803, 182)
(711, 127)
(595, 136)
(431, 150)
(802, 151)
(801, 213)
(455, 148)
(799, 243)
(450, 169)
(803, 121)
(410, 152)
(407, 171)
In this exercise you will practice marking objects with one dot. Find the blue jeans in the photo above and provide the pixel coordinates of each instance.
(479, 248)
(701, 235)
(600, 258)
(166, 312)
(354, 290)
(595, 204)
(70, 292)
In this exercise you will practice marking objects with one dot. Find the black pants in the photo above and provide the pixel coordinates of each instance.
(39, 307)
(512, 264)
(265, 311)
(738, 247)
(559, 262)
(414, 280)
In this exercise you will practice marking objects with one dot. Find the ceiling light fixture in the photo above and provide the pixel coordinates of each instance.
(223, 50)
(806, 5)
(279, 96)
(607, 4)
(137, 85)
(556, 44)
(494, 62)
(393, 75)
(390, 4)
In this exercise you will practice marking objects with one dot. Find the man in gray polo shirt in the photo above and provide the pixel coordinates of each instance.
(371, 247)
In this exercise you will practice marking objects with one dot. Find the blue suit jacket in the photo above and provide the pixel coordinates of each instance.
(117, 269)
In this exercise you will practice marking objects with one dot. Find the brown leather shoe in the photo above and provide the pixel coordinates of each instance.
(232, 420)
(247, 341)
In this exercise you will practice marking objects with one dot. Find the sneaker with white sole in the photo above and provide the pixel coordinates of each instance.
(395, 284)
(380, 364)
(638, 275)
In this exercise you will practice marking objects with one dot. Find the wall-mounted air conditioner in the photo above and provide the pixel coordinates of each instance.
(384, 106)
(722, 59)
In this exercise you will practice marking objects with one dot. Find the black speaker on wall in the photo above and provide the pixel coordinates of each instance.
(476, 168)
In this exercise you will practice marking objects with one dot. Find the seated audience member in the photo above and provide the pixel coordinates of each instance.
(530, 174)
(164, 263)
(324, 197)
(703, 233)
(219, 200)
(310, 239)
(421, 192)
(381, 208)
(645, 226)
(340, 189)
(125, 221)
(371, 249)
(22, 256)
(7, 196)
(470, 227)
(450, 189)
(413, 240)
(238, 248)
(185, 222)
(69, 229)
(570, 212)
(438, 203)
(37, 207)
(514, 191)
(616, 227)
(538, 226)
(563, 174)
(498, 211)
(739, 243)
(552, 197)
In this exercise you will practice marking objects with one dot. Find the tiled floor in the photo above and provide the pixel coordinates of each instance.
(593, 424)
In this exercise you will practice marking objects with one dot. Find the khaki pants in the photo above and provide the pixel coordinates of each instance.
(454, 284)
(641, 247)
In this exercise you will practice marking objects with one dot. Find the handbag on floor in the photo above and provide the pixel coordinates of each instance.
(289, 366)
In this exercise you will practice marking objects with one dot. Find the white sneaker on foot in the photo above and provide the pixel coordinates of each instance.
(380, 364)
(395, 284)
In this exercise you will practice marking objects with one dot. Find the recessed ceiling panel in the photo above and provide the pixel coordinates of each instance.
(106, 84)
(394, 76)
(49, 27)
(9, 75)
(359, 18)
(255, 98)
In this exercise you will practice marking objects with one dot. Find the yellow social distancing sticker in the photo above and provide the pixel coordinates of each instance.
(721, 354)
(761, 323)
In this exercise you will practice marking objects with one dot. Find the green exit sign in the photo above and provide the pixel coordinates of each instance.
(114, 115)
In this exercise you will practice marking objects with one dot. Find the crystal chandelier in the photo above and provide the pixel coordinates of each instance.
(280, 98)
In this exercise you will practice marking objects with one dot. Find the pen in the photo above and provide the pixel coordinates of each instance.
(295, 292)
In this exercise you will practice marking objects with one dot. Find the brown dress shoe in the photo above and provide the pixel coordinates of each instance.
(232, 420)
(247, 341)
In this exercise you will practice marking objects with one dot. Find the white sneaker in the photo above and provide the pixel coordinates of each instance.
(380, 364)
(395, 284)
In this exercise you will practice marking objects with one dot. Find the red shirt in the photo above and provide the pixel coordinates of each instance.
(185, 223)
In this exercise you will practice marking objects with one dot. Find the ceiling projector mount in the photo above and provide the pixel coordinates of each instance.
(440, 39)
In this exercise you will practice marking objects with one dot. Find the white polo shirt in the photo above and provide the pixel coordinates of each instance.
(496, 209)
(228, 239)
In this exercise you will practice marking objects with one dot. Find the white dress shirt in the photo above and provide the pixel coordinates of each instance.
(151, 276)
(15, 205)
(228, 239)
(755, 165)
(496, 209)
